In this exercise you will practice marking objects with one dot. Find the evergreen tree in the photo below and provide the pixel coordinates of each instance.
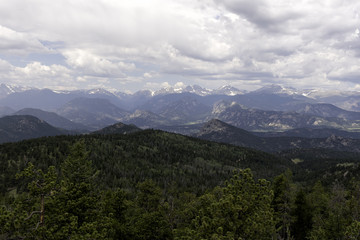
(76, 211)
(58, 208)
(240, 210)
(115, 206)
(302, 217)
(27, 217)
(148, 217)
(282, 203)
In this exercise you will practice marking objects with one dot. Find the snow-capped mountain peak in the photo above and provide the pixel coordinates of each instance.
(227, 90)
(278, 89)
(6, 89)
(98, 91)
(196, 89)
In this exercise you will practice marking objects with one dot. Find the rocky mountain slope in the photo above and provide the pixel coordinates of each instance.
(255, 119)
(219, 131)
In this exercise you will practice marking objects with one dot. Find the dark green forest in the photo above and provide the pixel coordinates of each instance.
(157, 185)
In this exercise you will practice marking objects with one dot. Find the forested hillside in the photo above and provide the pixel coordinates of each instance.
(157, 185)
(124, 160)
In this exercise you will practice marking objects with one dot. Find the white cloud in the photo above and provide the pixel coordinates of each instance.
(5, 67)
(165, 85)
(12, 42)
(110, 42)
(179, 85)
(37, 75)
(93, 65)
(37, 70)
(151, 74)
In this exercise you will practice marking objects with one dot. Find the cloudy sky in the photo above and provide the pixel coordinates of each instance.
(140, 44)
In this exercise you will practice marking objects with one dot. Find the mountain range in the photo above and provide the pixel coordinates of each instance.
(20, 127)
(183, 110)
(219, 131)
(265, 120)
(95, 113)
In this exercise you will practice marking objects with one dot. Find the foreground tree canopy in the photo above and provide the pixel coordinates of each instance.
(75, 199)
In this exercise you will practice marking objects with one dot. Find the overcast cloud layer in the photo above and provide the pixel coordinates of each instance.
(68, 44)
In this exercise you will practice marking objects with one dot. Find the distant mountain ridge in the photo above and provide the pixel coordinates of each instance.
(278, 89)
(7, 89)
(326, 110)
(219, 131)
(20, 127)
(146, 119)
(95, 113)
(52, 118)
(256, 119)
(6, 111)
(271, 108)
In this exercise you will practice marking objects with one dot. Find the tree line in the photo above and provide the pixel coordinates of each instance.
(69, 202)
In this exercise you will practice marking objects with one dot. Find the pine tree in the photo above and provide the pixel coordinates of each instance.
(27, 217)
(240, 210)
(282, 203)
(302, 217)
(76, 211)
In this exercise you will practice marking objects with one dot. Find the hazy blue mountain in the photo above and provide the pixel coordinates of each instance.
(348, 100)
(227, 90)
(93, 112)
(47, 99)
(185, 110)
(269, 108)
(277, 89)
(44, 99)
(6, 89)
(53, 119)
(6, 111)
(255, 119)
(157, 103)
(350, 103)
(131, 102)
(271, 101)
(146, 119)
(20, 127)
(326, 110)
(219, 131)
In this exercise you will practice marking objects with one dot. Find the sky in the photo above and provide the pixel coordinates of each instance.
(149, 44)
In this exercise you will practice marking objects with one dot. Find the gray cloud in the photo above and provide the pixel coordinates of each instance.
(119, 43)
(264, 14)
(12, 42)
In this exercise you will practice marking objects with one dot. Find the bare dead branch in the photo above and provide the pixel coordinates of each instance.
(31, 214)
